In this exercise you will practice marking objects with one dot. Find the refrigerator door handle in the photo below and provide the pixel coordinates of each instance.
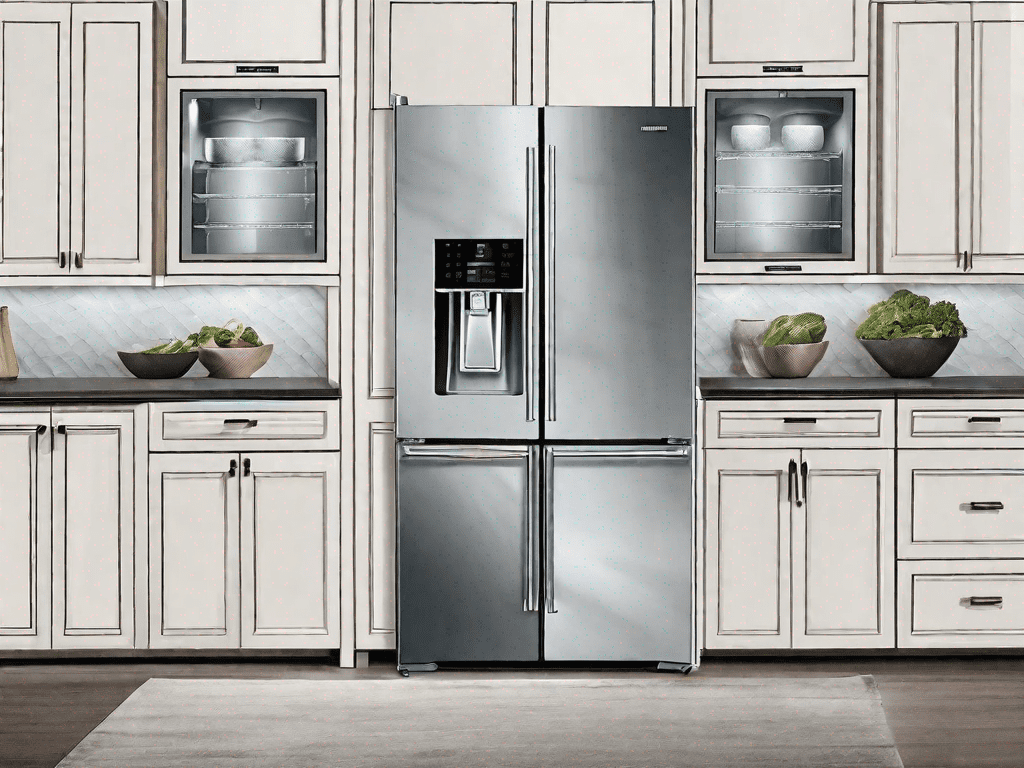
(531, 597)
(549, 281)
(464, 453)
(530, 353)
(549, 531)
(648, 453)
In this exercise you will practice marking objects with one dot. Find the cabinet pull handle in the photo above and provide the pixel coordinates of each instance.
(983, 420)
(985, 506)
(232, 467)
(799, 420)
(246, 467)
(965, 261)
(243, 422)
(41, 429)
(61, 429)
(801, 493)
(79, 260)
(792, 478)
(62, 259)
(992, 602)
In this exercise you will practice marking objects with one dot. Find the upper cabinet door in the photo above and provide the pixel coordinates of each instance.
(758, 37)
(998, 238)
(279, 37)
(469, 52)
(926, 136)
(35, 77)
(112, 142)
(601, 54)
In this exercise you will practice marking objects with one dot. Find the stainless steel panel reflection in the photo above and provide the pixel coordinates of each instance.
(460, 172)
(465, 561)
(621, 315)
(621, 553)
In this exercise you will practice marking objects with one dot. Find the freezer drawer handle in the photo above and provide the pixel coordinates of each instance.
(799, 420)
(983, 420)
(985, 506)
(671, 453)
(470, 454)
(990, 603)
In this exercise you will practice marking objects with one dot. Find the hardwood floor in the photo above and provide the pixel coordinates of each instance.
(945, 712)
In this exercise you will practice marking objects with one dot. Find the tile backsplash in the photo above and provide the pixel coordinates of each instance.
(993, 314)
(76, 331)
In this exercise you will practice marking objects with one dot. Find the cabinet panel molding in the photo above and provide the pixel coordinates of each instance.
(375, 536)
(379, 292)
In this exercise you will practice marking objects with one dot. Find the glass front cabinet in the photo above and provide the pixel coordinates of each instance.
(257, 185)
(785, 176)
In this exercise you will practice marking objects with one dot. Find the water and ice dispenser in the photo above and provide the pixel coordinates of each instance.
(478, 316)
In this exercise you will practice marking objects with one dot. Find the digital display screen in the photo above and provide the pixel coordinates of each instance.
(495, 264)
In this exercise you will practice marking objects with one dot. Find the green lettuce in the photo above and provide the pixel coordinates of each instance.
(907, 315)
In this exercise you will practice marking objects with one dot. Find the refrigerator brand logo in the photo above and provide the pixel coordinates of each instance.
(653, 127)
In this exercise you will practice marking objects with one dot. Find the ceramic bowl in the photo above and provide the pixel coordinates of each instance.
(744, 333)
(157, 366)
(234, 362)
(910, 358)
(792, 361)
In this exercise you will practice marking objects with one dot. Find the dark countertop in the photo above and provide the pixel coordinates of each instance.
(132, 390)
(723, 387)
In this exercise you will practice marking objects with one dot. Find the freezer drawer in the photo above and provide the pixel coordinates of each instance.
(468, 567)
(618, 550)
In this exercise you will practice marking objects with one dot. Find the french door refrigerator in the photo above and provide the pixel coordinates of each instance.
(544, 390)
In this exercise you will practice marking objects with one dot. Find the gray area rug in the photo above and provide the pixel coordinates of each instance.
(438, 721)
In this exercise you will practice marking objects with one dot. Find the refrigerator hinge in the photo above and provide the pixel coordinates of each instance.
(396, 100)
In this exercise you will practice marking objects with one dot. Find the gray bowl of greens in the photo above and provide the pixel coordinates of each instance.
(909, 337)
(147, 365)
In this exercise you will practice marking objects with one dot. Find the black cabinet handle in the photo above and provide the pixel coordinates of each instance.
(989, 601)
(801, 495)
(41, 429)
(62, 259)
(986, 506)
(232, 468)
(966, 263)
(79, 259)
(792, 478)
(61, 429)
(243, 422)
(983, 420)
(799, 420)
(246, 464)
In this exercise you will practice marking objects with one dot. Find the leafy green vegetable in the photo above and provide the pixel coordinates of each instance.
(804, 328)
(907, 315)
(211, 335)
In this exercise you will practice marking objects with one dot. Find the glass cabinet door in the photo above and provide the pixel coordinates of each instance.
(252, 176)
(779, 175)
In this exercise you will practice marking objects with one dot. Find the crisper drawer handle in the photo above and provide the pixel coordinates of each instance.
(799, 420)
(983, 420)
(465, 454)
(985, 506)
(989, 602)
(244, 422)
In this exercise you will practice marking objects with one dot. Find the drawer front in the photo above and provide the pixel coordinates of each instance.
(980, 423)
(962, 604)
(270, 425)
(961, 504)
(800, 423)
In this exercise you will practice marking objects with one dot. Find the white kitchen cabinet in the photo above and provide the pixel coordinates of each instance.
(77, 134)
(602, 54)
(799, 550)
(245, 550)
(25, 542)
(284, 37)
(952, 198)
(758, 37)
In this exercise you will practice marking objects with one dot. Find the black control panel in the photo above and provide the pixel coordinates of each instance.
(488, 265)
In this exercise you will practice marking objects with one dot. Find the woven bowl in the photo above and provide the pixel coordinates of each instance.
(791, 361)
(234, 362)
(910, 358)
(157, 366)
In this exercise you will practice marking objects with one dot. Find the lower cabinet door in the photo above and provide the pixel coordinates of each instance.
(193, 550)
(93, 529)
(24, 530)
(290, 550)
(843, 557)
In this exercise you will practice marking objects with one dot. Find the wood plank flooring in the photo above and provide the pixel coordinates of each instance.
(945, 712)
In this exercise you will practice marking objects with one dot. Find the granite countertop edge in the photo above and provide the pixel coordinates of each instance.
(132, 390)
(724, 387)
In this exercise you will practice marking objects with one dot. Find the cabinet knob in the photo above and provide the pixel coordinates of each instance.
(232, 468)
(79, 259)
(61, 429)
(246, 466)
(41, 429)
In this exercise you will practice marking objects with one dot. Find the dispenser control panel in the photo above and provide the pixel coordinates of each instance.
(482, 265)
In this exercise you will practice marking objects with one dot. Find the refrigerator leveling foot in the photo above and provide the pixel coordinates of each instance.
(674, 666)
(405, 669)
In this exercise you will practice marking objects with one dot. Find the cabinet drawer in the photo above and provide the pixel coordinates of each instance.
(799, 423)
(263, 425)
(960, 423)
(961, 503)
(961, 604)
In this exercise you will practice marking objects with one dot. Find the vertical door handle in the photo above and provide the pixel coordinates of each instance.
(62, 259)
(966, 264)
(801, 494)
(232, 467)
(79, 259)
(531, 596)
(246, 467)
(549, 285)
(549, 530)
(791, 479)
(529, 353)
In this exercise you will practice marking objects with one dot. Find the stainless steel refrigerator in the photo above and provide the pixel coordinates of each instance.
(544, 390)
